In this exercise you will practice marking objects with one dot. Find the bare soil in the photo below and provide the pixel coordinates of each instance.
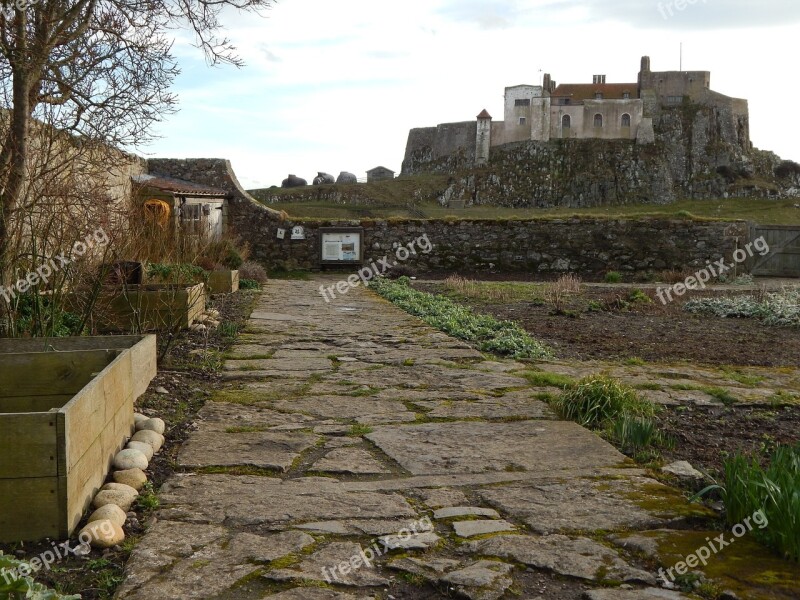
(602, 323)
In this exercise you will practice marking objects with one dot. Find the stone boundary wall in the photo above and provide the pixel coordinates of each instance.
(582, 245)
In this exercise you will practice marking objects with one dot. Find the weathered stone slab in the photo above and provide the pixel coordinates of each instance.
(590, 504)
(479, 447)
(342, 407)
(482, 580)
(339, 563)
(464, 511)
(487, 409)
(272, 503)
(306, 365)
(265, 449)
(643, 594)
(350, 460)
(411, 541)
(178, 561)
(574, 557)
(222, 416)
(467, 529)
(440, 497)
(315, 593)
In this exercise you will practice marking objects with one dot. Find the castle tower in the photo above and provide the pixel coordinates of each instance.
(483, 140)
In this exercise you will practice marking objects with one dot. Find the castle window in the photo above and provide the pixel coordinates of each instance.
(674, 99)
(598, 120)
(522, 120)
(598, 95)
(626, 120)
(626, 95)
(566, 122)
(522, 102)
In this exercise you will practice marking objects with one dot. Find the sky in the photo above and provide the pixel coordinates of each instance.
(336, 86)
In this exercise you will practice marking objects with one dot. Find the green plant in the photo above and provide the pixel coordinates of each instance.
(638, 295)
(612, 277)
(249, 284)
(176, 273)
(15, 584)
(597, 400)
(774, 490)
(228, 329)
(721, 394)
(148, 500)
(486, 332)
(357, 430)
(634, 434)
(781, 308)
(544, 378)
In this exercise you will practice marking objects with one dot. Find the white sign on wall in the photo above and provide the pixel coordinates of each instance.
(341, 247)
(298, 233)
(281, 234)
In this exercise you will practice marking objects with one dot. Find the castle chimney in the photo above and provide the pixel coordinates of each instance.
(645, 64)
(547, 83)
(599, 79)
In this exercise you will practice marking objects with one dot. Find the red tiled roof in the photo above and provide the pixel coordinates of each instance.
(587, 91)
(177, 186)
(484, 114)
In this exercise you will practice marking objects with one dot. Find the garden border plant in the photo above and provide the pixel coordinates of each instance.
(486, 332)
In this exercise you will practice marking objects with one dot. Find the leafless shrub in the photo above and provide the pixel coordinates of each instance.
(253, 270)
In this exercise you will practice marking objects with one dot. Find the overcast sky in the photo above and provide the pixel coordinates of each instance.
(336, 85)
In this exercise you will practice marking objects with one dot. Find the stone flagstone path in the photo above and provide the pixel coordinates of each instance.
(351, 432)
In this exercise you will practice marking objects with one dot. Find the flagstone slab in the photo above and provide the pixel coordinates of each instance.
(475, 447)
(266, 449)
(221, 416)
(572, 557)
(350, 460)
(586, 504)
(487, 409)
(272, 503)
(338, 563)
(178, 561)
(342, 407)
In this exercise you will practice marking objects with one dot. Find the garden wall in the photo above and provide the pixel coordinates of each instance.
(583, 245)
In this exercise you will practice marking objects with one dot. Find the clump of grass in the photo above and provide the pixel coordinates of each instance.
(598, 400)
(148, 500)
(638, 296)
(774, 490)
(612, 277)
(486, 332)
(721, 394)
(357, 430)
(543, 378)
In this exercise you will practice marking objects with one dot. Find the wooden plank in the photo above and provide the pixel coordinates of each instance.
(144, 356)
(90, 471)
(90, 411)
(33, 404)
(28, 445)
(50, 373)
(28, 509)
(105, 342)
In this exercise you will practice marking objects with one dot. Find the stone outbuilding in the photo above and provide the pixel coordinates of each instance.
(379, 174)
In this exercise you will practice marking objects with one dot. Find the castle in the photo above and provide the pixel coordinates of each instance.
(597, 110)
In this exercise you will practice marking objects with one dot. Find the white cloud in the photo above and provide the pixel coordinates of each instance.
(336, 86)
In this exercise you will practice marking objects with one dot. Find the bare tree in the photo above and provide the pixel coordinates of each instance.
(98, 70)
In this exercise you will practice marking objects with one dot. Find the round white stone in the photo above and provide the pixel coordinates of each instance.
(135, 478)
(109, 512)
(130, 459)
(142, 447)
(121, 498)
(156, 440)
(102, 534)
(155, 424)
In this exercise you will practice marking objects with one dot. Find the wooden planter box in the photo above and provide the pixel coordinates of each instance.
(150, 307)
(66, 408)
(223, 282)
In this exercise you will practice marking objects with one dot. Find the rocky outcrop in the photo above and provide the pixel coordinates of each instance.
(693, 151)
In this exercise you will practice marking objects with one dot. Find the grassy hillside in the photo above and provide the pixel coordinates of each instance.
(415, 197)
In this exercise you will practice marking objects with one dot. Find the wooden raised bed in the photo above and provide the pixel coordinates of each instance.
(223, 282)
(150, 307)
(66, 408)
